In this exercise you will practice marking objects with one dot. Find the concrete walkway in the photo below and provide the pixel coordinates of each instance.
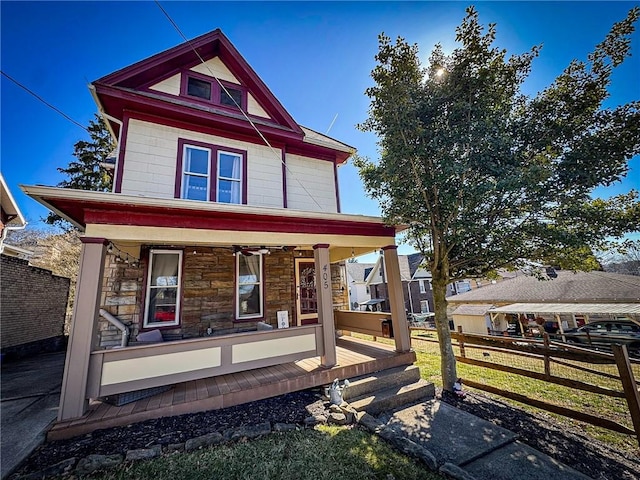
(467, 447)
(30, 393)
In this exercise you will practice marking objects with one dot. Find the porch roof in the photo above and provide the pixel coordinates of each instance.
(373, 301)
(578, 308)
(133, 220)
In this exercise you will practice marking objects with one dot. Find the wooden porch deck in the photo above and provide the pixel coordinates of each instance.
(355, 357)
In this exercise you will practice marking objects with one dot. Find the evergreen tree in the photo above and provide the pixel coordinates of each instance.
(86, 171)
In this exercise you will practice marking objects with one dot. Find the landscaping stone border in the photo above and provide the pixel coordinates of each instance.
(335, 415)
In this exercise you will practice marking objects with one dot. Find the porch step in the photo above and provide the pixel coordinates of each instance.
(389, 378)
(391, 398)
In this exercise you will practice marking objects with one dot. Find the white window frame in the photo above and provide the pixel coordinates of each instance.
(260, 283)
(229, 179)
(185, 173)
(422, 303)
(146, 324)
(422, 287)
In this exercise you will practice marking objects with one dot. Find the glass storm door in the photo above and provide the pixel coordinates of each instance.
(306, 298)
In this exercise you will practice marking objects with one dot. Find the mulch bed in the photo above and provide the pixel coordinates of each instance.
(567, 445)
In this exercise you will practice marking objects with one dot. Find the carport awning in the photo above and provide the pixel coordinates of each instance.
(373, 301)
(578, 308)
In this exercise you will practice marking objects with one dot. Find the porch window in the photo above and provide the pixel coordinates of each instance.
(162, 304)
(195, 176)
(249, 294)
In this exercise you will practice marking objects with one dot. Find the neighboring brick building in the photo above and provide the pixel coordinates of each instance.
(33, 306)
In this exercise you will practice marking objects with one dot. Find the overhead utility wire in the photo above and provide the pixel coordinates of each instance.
(236, 104)
(52, 107)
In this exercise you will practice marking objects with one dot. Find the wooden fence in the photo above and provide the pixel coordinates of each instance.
(601, 373)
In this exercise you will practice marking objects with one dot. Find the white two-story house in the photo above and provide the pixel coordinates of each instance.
(223, 232)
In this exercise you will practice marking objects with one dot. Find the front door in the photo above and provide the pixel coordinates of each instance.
(306, 298)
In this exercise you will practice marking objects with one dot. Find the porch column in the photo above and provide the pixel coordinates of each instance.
(73, 401)
(396, 299)
(325, 303)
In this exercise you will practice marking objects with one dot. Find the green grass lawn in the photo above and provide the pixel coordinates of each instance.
(326, 453)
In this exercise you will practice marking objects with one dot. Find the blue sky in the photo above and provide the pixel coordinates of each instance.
(315, 57)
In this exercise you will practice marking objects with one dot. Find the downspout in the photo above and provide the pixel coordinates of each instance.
(18, 215)
(411, 299)
(92, 90)
(115, 167)
(5, 232)
(118, 324)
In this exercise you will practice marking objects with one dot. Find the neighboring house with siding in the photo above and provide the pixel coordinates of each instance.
(223, 231)
(33, 301)
(564, 298)
(359, 291)
(416, 284)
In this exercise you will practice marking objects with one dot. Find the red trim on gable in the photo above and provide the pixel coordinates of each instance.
(209, 45)
(116, 100)
(206, 129)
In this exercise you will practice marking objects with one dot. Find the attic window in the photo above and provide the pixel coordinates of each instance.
(209, 90)
(199, 88)
(232, 98)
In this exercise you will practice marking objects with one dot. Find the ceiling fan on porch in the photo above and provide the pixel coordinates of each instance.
(262, 250)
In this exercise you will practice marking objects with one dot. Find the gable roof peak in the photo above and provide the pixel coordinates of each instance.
(158, 67)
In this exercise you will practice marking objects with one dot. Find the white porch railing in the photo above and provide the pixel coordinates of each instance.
(146, 366)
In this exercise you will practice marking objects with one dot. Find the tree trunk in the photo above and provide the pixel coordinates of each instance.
(447, 358)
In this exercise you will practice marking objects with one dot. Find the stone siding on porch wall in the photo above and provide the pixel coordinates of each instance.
(121, 297)
(208, 289)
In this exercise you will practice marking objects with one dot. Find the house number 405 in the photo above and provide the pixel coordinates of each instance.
(325, 277)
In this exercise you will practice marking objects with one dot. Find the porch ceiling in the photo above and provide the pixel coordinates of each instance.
(130, 238)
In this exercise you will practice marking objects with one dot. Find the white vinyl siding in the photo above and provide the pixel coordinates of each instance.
(216, 68)
(310, 185)
(254, 108)
(170, 85)
(151, 157)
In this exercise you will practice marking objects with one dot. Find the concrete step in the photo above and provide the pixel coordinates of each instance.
(392, 377)
(394, 397)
